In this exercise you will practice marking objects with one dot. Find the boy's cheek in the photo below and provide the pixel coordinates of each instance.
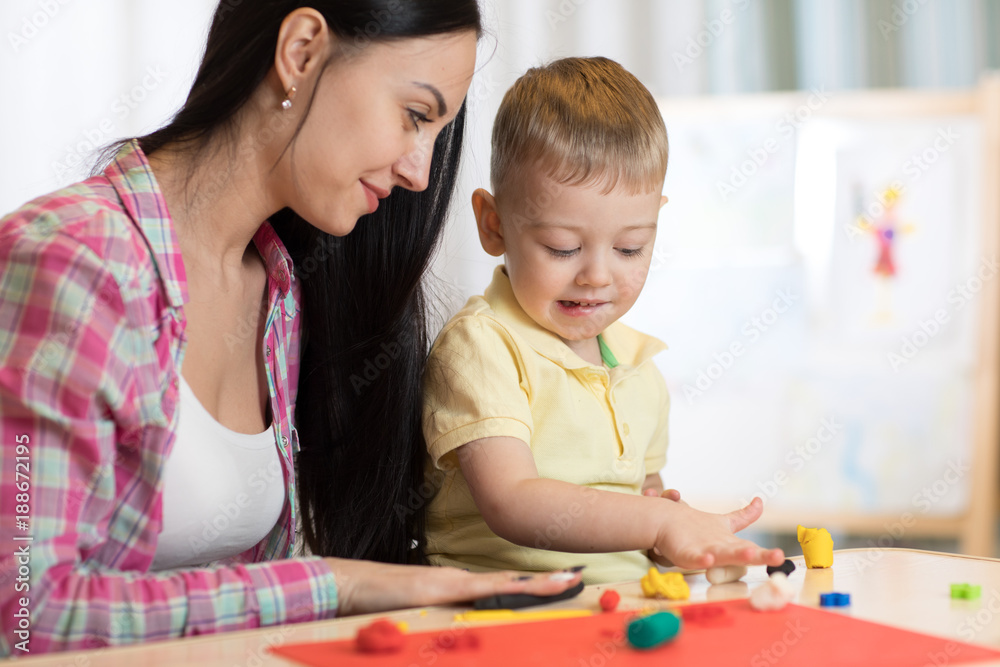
(636, 279)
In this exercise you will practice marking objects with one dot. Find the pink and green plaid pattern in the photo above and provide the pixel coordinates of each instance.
(92, 288)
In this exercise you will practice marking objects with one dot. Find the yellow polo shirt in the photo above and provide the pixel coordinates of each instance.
(494, 372)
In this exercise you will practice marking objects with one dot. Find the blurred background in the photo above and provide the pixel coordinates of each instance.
(820, 260)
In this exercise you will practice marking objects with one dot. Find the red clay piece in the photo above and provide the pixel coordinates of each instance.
(449, 641)
(382, 636)
(610, 599)
(706, 615)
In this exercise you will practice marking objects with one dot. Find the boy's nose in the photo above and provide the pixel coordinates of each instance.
(594, 273)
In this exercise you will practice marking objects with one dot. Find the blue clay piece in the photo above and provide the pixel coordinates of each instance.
(834, 599)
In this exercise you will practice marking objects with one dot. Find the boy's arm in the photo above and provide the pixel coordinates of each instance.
(522, 508)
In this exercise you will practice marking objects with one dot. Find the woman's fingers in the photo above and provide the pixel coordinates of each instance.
(545, 583)
(367, 587)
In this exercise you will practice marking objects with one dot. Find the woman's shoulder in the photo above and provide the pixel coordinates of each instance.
(86, 219)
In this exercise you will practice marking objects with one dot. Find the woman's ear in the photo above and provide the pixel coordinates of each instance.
(484, 206)
(303, 45)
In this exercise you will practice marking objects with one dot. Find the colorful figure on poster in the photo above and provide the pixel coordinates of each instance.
(882, 221)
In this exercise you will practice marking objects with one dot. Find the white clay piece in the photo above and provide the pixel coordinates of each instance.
(726, 574)
(772, 595)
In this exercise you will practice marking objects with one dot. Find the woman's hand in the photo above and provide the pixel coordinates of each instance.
(366, 587)
(692, 539)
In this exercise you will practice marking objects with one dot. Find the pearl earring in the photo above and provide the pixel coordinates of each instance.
(287, 104)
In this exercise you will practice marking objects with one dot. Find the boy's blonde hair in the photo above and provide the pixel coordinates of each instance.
(582, 121)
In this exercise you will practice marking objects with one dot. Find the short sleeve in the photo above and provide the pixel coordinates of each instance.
(656, 453)
(474, 387)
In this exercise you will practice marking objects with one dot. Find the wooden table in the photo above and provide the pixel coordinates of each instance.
(901, 587)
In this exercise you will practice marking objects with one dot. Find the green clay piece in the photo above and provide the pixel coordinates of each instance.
(965, 592)
(650, 631)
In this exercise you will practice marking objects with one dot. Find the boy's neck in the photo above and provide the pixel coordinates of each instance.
(589, 350)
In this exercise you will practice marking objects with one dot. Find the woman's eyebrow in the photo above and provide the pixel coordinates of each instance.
(442, 107)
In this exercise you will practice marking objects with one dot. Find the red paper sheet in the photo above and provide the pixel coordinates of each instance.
(794, 636)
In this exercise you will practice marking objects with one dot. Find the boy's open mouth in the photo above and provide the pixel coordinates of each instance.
(570, 304)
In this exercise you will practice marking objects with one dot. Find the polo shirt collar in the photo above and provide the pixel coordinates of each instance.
(629, 346)
(133, 180)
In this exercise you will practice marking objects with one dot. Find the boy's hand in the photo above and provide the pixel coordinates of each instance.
(669, 494)
(692, 539)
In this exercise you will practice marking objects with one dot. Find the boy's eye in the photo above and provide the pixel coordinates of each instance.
(631, 252)
(561, 253)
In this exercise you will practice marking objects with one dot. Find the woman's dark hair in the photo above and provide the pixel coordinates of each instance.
(365, 326)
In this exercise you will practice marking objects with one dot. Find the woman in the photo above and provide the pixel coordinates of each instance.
(155, 318)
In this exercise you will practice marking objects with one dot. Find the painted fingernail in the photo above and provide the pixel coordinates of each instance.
(524, 578)
(562, 576)
(576, 568)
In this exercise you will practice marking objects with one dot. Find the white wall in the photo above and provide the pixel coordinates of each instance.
(76, 74)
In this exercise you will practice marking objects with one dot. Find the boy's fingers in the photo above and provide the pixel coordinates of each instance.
(743, 517)
(672, 494)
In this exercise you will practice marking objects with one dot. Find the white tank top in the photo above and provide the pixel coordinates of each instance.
(223, 491)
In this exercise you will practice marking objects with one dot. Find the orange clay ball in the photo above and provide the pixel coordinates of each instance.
(610, 600)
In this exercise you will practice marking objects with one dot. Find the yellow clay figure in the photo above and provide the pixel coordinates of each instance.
(817, 546)
(670, 585)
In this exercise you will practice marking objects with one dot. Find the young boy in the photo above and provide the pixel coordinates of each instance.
(546, 416)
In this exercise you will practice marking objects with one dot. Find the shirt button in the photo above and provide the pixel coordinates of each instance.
(267, 351)
(284, 440)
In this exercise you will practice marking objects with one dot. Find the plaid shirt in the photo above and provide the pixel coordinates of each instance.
(92, 289)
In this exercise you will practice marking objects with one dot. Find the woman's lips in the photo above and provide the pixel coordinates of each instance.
(373, 194)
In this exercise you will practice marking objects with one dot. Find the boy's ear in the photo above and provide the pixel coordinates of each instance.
(663, 200)
(484, 206)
